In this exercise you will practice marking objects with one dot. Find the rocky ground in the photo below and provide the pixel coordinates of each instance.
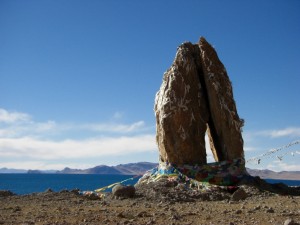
(160, 203)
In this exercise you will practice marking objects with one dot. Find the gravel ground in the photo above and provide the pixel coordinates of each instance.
(160, 203)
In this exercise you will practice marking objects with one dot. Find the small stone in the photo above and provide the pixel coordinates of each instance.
(49, 190)
(121, 215)
(150, 222)
(225, 211)
(238, 195)
(270, 210)
(175, 217)
(238, 211)
(126, 222)
(75, 191)
(147, 205)
(290, 221)
(257, 208)
(92, 196)
(5, 193)
(17, 209)
(143, 214)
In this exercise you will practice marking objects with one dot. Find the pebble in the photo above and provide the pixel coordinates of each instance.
(290, 221)
(225, 211)
(147, 205)
(257, 207)
(150, 222)
(238, 211)
(17, 209)
(49, 190)
(270, 210)
(143, 214)
(121, 215)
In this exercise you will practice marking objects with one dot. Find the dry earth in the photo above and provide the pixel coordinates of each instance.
(154, 207)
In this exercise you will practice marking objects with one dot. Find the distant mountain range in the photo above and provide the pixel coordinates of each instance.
(130, 169)
(125, 169)
(269, 174)
(142, 167)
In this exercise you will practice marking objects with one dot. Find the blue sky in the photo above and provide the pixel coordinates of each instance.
(78, 78)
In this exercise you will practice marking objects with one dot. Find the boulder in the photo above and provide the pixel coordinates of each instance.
(6, 193)
(123, 191)
(239, 194)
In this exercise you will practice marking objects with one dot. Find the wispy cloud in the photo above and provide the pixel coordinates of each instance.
(113, 127)
(43, 165)
(282, 166)
(23, 138)
(12, 117)
(75, 149)
(16, 124)
(279, 133)
(117, 115)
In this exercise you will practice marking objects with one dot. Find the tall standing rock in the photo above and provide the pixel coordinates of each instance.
(181, 110)
(224, 125)
(195, 96)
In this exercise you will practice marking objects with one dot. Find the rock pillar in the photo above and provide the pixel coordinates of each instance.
(224, 125)
(195, 97)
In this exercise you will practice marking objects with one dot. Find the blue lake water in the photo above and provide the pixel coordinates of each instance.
(30, 183)
(287, 182)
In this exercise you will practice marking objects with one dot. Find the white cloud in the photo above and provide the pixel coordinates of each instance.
(18, 124)
(291, 131)
(42, 165)
(117, 115)
(28, 127)
(286, 132)
(249, 149)
(30, 147)
(282, 166)
(12, 117)
(112, 127)
(38, 143)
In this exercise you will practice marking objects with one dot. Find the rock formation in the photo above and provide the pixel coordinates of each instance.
(195, 97)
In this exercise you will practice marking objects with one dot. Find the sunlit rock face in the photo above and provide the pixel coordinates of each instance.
(224, 125)
(181, 110)
(196, 96)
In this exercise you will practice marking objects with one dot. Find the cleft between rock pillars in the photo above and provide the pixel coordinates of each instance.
(196, 98)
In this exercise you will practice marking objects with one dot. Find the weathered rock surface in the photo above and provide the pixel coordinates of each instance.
(290, 222)
(5, 193)
(181, 110)
(123, 191)
(238, 195)
(224, 125)
(195, 97)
